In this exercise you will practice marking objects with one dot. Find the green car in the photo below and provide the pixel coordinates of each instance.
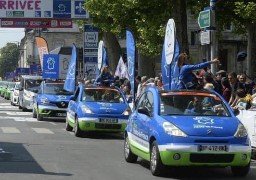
(3, 89)
(10, 87)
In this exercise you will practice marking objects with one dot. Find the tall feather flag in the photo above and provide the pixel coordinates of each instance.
(130, 45)
(168, 53)
(70, 81)
(121, 69)
(42, 47)
(175, 68)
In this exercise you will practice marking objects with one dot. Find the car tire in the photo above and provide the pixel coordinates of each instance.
(68, 127)
(156, 166)
(38, 117)
(77, 130)
(128, 154)
(240, 171)
(20, 107)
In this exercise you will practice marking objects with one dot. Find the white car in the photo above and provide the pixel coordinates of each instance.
(15, 95)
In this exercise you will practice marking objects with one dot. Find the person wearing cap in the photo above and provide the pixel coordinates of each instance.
(105, 78)
(186, 76)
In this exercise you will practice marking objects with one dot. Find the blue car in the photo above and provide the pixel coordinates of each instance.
(97, 108)
(51, 100)
(186, 128)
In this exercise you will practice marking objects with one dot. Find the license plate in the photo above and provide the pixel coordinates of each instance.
(61, 114)
(104, 120)
(212, 148)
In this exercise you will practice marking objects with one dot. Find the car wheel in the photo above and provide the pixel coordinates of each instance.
(240, 171)
(128, 154)
(34, 115)
(156, 165)
(12, 103)
(38, 116)
(78, 132)
(68, 127)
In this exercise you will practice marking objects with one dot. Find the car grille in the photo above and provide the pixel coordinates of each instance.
(211, 158)
(108, 126)
(61, 104)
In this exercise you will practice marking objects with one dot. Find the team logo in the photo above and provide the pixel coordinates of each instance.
(204, 120)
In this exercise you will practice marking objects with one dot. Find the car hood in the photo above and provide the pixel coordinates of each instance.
(206, 126)
(106, 108)
(55, 98)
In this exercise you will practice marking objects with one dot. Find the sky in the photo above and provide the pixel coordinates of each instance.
(12, 35)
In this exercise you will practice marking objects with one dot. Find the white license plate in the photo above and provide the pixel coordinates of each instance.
(61, 114)
(108, 120)
(212, 148)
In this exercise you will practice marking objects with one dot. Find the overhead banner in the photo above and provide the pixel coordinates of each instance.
(42, 48)
(35, 23)
(43, 9)
(35, 69)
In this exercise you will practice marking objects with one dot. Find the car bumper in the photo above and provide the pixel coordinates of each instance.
(28, 104)
(190, 156)
(51, 111)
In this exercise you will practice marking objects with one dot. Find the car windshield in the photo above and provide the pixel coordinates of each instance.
(102, 95)
(11, 85)
(55, 89)
(192, 103)
(31, 84)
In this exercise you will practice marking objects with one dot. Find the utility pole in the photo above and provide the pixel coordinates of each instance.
(213, 35)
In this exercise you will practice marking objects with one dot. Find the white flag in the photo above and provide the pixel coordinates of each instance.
(121, 69)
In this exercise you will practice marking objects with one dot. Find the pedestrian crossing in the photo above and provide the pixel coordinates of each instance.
(15, 130)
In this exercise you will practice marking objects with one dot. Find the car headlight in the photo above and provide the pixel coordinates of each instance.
(170, 129)
(85, 109)
(241, 131)
(127, 112)
(44, 101)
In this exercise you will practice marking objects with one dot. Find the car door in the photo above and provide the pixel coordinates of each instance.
(142, 121)
(73, 104)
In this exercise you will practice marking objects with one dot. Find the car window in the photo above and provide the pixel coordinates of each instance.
(55, 89)
(203, 104)
(146, 101)
(102, 95)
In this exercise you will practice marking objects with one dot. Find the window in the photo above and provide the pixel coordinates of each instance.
(146, 101)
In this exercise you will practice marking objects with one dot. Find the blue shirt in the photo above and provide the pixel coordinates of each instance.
(186, 75)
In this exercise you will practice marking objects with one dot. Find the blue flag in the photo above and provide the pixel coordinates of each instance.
(130, 45)
(166, 68)
(70, 81)
(174, 68)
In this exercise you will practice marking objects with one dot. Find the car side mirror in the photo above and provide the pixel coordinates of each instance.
(236, 112)
(72, 98)
(143, 110)
(20, 88)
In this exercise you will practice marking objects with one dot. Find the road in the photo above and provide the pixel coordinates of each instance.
(32, 150)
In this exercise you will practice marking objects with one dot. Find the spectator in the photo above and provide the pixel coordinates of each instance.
(106, 77)
(186, 78)
(234, 84)
(226, 89)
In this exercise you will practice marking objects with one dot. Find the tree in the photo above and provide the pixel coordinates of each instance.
(242, 14)
(9, 55)
(146, 19)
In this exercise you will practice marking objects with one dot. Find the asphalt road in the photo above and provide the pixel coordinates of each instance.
(32, 150)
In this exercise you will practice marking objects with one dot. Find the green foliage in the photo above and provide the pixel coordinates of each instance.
(8, 58)
(146, 19)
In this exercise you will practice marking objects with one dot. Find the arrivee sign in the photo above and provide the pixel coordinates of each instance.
(42, 9)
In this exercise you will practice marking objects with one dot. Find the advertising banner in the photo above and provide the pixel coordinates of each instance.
(35, 69)
(22, 71)
(35, 23)
(42, 9)
(51, 66)
(42, 48)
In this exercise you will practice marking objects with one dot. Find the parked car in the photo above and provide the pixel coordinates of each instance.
(178, 128)
(51, 100)
(97, 108)
(15, 94)
(28, 84)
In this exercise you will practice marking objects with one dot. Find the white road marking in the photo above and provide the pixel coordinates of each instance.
(12, 130)
(18, 113)
(42, 131)
(53, 123)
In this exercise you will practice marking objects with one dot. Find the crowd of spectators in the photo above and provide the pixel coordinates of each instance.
(237, 89)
